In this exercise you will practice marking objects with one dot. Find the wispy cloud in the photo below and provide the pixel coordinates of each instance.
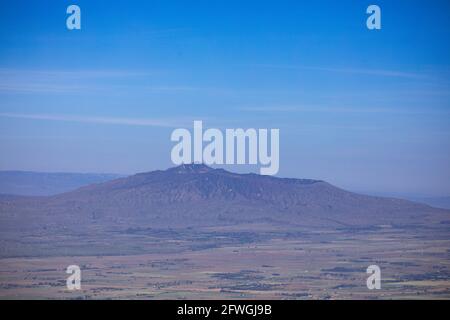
(163, 89)
(72, 74)
(63, 81)
(91, 81)
(152, 122)
(29, 88)
(55, 87)
(320, 109)
(356, 71)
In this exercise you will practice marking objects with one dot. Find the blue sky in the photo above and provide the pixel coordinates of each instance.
(365, 110)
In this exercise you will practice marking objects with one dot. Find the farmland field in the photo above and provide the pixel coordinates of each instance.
(237, 264)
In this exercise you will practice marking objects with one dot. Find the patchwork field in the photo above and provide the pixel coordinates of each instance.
(319, 264)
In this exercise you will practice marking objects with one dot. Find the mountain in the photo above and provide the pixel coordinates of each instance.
(44, 184)
(199, 196)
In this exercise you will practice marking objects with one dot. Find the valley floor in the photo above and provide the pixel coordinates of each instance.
(317, 265)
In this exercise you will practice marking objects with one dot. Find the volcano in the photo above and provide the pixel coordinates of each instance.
(196, 195)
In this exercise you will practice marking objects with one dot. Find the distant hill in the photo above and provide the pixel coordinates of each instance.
(197, 195)
(44, 184)
(437, 202)
(442, 202)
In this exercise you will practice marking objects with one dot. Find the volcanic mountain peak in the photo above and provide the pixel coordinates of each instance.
(192, 168)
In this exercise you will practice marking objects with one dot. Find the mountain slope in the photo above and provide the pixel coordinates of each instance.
(196, 195)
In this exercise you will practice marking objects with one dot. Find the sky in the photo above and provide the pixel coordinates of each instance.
(366, 110)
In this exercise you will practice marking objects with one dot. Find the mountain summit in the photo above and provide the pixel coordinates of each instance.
(192, 168)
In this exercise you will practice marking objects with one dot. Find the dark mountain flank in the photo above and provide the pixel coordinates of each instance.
(199, 196)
